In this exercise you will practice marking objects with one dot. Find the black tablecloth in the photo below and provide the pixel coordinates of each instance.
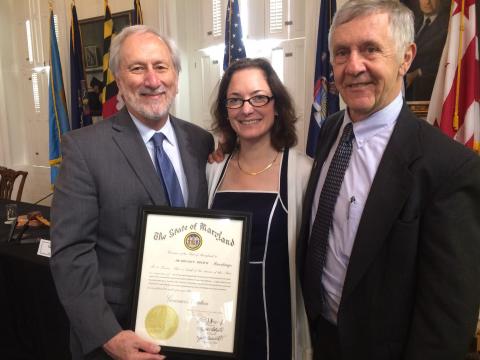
(34, 324)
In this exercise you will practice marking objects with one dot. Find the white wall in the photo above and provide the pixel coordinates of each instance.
(24, 132)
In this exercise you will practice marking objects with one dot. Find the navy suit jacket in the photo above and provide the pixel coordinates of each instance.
(106, 175)
(412, 288)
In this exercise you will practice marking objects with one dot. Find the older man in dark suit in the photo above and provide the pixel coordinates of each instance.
(109, 170)
(389, 248)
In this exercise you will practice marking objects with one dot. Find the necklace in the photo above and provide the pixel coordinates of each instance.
(253, 173)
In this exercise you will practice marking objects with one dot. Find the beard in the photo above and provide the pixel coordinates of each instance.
(150, 110)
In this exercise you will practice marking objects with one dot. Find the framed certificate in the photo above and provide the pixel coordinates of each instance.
(189, 293)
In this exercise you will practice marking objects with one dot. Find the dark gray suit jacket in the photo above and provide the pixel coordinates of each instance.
(106, 175)
(412, 287)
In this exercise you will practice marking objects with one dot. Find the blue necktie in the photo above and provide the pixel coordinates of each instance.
(318, 244)
(167, 172)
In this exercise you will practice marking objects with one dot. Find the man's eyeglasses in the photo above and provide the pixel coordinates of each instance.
(255, 101)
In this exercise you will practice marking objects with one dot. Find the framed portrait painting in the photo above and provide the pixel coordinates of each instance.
(431, 28)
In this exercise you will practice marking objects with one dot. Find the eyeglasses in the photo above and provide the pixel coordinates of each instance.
(255, 101)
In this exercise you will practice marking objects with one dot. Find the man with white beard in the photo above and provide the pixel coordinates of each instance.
(109, 170)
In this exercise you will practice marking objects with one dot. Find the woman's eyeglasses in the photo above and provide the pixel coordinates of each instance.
(255, 101)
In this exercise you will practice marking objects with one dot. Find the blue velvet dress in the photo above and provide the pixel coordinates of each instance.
(268, 312)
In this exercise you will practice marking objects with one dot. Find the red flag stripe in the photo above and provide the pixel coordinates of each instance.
(468, 93)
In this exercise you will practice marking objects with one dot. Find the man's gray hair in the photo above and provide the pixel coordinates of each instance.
(119, 39)
(400, 18)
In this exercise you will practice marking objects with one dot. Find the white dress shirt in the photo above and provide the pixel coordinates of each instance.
(371, 137)
(170, 145)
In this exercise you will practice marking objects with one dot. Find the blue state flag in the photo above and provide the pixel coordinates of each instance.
(234, 48)
(80, 111)
(58, 116)
(325, 96)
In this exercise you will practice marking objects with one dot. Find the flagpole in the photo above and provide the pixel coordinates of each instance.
(230, 31)
(459, 57)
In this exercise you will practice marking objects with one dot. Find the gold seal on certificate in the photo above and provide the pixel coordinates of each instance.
(161, 322)
(193, 241)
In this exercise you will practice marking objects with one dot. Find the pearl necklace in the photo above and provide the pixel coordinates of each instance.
(254, 173)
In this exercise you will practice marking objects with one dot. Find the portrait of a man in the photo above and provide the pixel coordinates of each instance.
(431, 28)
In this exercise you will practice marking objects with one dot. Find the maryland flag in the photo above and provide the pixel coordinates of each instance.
(57, 105)
(137, 13)
(455, 103)
(110, 89)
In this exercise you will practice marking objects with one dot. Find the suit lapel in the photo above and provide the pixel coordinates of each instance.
(389, 191)
(130, 143)
(189, 160)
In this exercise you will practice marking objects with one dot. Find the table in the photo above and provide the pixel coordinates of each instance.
(34, 324)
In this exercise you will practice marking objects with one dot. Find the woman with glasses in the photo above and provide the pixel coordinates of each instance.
(262, 175)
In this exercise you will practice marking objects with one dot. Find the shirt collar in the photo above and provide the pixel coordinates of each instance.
(367, 128)
(146, 133)
(432, 18)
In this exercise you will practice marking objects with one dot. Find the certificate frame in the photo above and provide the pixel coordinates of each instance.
(190, 289)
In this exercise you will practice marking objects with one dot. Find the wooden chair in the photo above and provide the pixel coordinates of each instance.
(7, 181)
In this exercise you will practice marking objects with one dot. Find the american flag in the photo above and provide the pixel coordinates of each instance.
(455, 103)
(234, 48)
